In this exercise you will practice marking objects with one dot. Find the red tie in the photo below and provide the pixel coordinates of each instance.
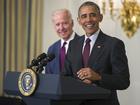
(86, 52)
(62, 55)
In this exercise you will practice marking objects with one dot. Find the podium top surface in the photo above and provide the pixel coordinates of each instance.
(54, 86)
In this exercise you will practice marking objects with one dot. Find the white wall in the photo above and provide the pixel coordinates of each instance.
(111, 27)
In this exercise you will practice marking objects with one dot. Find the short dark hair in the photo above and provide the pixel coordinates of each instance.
(89, 3)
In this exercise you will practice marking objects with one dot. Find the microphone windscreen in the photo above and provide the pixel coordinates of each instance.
(41, 56)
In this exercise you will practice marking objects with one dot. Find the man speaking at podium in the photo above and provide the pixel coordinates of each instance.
(96, 58)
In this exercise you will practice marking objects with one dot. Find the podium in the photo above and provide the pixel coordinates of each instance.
(55, 89)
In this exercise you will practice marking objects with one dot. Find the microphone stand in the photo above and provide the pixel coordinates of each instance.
(39, 69)
(41, 65)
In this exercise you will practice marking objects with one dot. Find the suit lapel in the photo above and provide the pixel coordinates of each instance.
(80, 56)
(97, 49)
(57, 59)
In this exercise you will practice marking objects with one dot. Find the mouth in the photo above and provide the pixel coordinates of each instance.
(62, 33)
(90, 26)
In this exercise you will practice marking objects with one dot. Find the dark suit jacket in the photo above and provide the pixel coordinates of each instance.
(53, 67)
(108, 58)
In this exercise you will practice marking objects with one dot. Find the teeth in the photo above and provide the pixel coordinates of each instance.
(89, 26)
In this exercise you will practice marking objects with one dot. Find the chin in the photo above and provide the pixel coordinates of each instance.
(91, 32)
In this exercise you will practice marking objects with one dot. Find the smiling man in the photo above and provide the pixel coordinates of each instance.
(96, 58)
(89, 18)
(63, 25)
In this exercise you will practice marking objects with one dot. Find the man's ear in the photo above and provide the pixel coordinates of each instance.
(72, 23)
(101, 17)
(78, 19)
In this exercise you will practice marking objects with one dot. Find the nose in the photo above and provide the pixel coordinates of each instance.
(89, 18)
(61, 26)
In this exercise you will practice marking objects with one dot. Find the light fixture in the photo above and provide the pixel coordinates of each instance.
(129, 15)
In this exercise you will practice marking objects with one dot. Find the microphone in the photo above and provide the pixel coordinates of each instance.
(41, 56)
(44, 62)
(35, 62)
(49, 58)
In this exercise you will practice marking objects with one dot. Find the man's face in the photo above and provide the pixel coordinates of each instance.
(63, 25)
(89, 18)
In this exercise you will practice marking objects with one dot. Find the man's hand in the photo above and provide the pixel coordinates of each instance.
(87, 81)
(88, 75)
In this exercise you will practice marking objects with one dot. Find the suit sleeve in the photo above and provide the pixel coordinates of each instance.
(119, 78)
(47, 67)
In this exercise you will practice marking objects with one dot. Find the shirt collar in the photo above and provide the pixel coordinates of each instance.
(71, 38)
(93, 37)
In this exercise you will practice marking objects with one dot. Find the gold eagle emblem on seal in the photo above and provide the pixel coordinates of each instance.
(27, 82)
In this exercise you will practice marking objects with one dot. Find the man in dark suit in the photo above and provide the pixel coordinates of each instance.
(63, 24)
(105, 64)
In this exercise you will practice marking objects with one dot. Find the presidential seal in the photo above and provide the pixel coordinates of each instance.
(27, 82)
